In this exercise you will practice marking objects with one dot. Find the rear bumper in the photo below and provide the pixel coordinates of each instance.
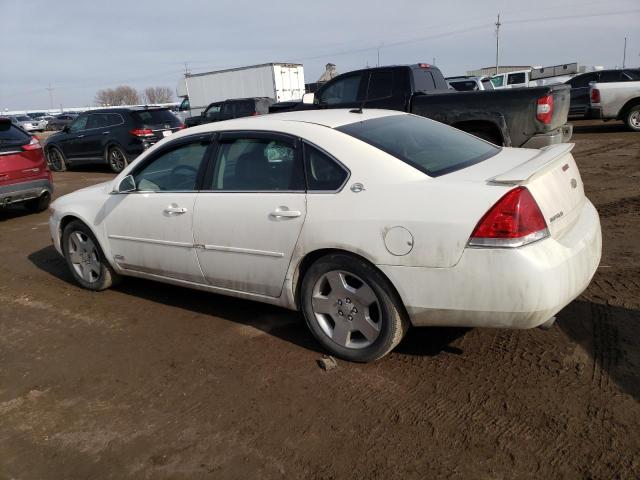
(19, 192)
(504, 288)
(559, 135)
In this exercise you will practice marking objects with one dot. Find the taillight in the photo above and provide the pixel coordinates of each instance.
(424, 65)
(544, 111)
(141, 132)
(513, 221)
(595, 95)
(32, 145)
(181, 126)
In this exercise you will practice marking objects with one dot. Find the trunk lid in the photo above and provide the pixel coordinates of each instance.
(553, 178)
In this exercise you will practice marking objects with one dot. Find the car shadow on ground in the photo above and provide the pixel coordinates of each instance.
(13, 211)
(608, 334)
(282, 323)
(91, 168)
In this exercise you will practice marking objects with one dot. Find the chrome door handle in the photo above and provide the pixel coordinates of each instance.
(106, 133)
(175, 210)
(79, 136)
(282, 213)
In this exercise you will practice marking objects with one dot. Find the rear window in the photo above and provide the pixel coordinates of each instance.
(11, 135)
(429, 146)
(154, 117)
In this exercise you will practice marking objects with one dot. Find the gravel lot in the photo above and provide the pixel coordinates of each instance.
(155, 381)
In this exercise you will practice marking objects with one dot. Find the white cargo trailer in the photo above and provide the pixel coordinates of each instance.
(279, 81)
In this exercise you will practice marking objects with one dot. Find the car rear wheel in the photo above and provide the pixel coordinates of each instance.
(39, 204)
(117, 159)
(351, 309)
(56, 159)
(633, 118)
(85, 258)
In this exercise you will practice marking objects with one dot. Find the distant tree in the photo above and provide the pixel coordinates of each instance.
(122, 95)
(158, 95)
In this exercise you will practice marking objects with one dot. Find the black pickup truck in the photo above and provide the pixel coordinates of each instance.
(524, 117)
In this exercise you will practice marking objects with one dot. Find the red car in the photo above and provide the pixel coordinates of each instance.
(25, 177)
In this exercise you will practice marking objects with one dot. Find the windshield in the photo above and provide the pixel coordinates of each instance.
(429, 146)
(24, 118)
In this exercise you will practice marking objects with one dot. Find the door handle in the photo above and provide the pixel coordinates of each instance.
(106, 133)
(175, 210)
(284, 212)
(79, 136)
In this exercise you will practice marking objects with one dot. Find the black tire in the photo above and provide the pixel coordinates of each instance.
(632, 118)
(105, 276)
(56, 160)
(39, 204)
(390, 316)
(116, 158)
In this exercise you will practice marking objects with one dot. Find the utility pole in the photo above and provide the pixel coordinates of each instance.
(624, 53)
(434, 61)
(51, 89)
(497, 41)
(378, 57)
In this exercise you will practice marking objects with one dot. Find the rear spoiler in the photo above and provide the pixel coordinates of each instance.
(540, 163)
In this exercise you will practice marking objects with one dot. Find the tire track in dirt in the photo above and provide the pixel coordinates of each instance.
(627, 205)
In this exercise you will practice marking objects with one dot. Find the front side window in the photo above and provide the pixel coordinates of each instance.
(497, 81)
(323, 173)
(257, 164)
(631, 75)
(341, 90)
(212, 111)
(175, 170)
(611, 76)
(79, 124)
(429, 146)
(464, 85)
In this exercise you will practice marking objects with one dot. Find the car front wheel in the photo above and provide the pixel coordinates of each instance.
(351, 309)
(85, 258)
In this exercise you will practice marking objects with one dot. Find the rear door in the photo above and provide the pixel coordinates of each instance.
(248, 217)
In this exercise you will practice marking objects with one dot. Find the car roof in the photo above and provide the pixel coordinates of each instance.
(331, 118)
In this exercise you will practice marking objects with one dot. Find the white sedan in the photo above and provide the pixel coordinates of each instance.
(366, 221)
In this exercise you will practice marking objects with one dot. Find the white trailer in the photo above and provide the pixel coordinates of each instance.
(278, 81)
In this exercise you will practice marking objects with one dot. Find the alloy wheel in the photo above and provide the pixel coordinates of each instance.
(83, 255)
(346, 309)
(117, 161)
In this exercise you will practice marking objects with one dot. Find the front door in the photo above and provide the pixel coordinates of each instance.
(248, 217)
(71, 141)
(150, 229)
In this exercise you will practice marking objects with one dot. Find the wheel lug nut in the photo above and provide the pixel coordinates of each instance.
(348, 300)
(355, 310)
(340, 313)
(339, 302)
(350, 317)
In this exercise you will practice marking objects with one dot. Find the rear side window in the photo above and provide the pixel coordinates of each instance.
(323, 172)
(464, 85)
(257, 164)
(154, 117)
(611, 76)
(380, 85)
(429, 146)
(497, 81)
(12, 135)
(516, 78)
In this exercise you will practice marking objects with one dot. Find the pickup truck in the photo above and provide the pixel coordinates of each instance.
(617, 101)
(228, 109)
(527, 117)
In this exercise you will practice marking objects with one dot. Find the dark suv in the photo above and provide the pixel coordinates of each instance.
(581, 87)
(236, 108)
(114, 136)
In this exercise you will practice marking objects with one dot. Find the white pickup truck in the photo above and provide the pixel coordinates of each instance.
(617, 101)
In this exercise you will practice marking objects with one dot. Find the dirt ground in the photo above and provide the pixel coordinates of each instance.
(154, 381)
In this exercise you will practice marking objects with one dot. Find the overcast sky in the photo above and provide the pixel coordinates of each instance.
(81, 46)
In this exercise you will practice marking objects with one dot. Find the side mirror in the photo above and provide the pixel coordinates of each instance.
(308, 98)
(126, 185)
(66, 129)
